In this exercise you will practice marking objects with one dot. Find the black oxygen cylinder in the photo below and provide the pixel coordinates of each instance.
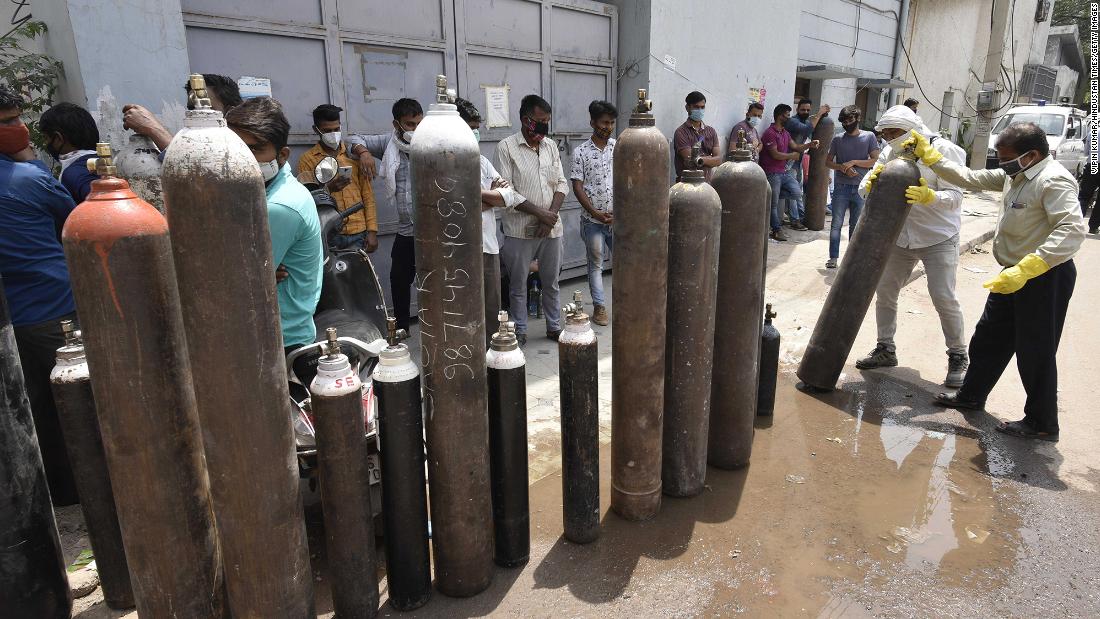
(769, 365)
(507, 370)
(32, 571)
(336, 397)
(404, 496)
(71, 384)
(579, 376)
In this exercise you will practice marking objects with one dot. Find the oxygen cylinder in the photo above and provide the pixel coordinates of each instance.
(744, 190)
(862, 266)
(816, 186)
(695, 222)
(404, 498)
(32, 571)
(507, 370)
(217, 210)
(72, 391)
(769, 365)
(139, 163)
(639, 305)
(120, 264)
(579, 382)
(445, 164)
(336, 399)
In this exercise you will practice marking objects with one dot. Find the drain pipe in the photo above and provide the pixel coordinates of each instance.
(903, 19)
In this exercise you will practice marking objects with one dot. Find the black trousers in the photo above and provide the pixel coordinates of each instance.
(402, 275)
(1027, 323)
(38, 346)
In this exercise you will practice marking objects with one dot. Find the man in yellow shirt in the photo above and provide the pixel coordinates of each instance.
(360, 229)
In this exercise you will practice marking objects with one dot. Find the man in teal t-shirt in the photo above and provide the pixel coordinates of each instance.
(292, 217)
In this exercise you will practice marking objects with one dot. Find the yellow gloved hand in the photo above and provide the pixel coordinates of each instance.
(1013, 278)
(920, 194)
(873, 176)
(922, 148)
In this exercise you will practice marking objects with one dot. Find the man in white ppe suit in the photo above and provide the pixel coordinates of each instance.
(930, 236)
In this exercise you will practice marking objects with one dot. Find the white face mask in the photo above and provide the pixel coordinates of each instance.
(408, 137)
(754, 121)
(895, 144)
(331, 139)
(270, 169)
(477, 134)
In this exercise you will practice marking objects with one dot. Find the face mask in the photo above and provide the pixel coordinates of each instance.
(803, 116)
(850, 127)
(14, 138)
(696, 115)
(602, 134)
(331, 139)
(407, 137)
(269, 169)
(477, 134)
(754, 121)
(1014, 167)
(895, 144)
(538, 130)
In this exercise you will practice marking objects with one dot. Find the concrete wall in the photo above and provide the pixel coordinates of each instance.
(948, 41)
(137, 48)
(673, 47)
(847, 33)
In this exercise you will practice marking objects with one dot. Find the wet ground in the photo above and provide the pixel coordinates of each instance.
(866, 501)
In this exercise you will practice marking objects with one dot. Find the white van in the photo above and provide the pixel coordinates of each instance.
(1064, 127)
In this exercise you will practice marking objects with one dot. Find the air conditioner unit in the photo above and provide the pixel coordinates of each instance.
(1038, 82)
(1042, 10)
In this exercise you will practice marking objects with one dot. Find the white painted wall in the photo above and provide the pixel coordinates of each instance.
(137, 48)
(948, 41)
(710, 51)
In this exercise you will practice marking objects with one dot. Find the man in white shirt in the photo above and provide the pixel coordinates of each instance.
(530, 162)
(930, 236)
(592, 184)
(495, 193)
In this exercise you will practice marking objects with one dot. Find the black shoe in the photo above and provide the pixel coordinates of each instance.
(880, 357)
(778, 235)
(953, 401)
(1024, 429)
(521, 338)
(957, 363)
(553, 335)
(1094, 230)
(798, 225)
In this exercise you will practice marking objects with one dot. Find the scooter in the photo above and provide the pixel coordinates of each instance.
(352, 301)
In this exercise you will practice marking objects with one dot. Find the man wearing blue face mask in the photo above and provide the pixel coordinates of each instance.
(751, 126)
(693, 132)
(1039, 231)
(292, 216)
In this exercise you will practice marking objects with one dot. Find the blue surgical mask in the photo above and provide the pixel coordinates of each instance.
(754, 121)
(696, 115)
(477, 134)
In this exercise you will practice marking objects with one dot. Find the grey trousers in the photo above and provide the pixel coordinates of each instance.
(516, 256)
(493, 305)
(941, 261)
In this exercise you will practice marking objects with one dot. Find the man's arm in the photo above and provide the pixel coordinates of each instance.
(715, 159)
(821, 111)
(358, 146)
(965, 178)
(55, 198)
(864, 183)
(143, 122)
(801, 148)
(1063, 212)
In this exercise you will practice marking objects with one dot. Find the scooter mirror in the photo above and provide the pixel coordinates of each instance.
(326, 170)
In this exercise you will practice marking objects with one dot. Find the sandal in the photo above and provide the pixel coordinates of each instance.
(953, 401)
(1023, 429)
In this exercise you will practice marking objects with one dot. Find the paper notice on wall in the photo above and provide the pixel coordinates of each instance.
(496, 106)
(758, 95)
(252, 87)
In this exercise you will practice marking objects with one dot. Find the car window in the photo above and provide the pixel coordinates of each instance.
(1051, 124)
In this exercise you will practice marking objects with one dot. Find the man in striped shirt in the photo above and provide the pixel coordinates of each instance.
(532, 229)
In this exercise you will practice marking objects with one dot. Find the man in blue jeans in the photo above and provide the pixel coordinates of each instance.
(591, 176)
(851, 155)
(778, 149)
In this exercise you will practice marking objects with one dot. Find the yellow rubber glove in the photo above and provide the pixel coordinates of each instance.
(922, 148)
(1013, 278)
(920, 194)
(873, 176)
